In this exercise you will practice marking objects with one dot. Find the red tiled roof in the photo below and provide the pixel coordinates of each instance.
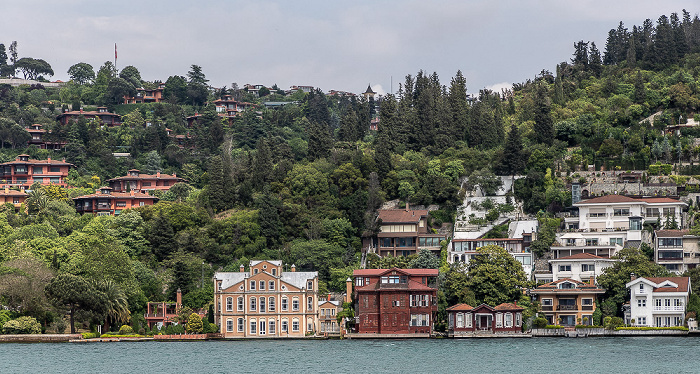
(379, 272)
(682, 282)
(401, 215)
(508, 306)
(461, 307)
(661, 200)
(117, 195)
(582, 256)
(607, 199)
(13, 193)
(146, 176)
(32, 161)
(580, 286)
(671, 233)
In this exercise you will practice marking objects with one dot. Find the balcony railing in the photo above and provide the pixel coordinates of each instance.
(678, 308)
(547, 308)
(567, 307)
(586, 307)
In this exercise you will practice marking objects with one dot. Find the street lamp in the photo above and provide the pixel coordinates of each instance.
(202, 274)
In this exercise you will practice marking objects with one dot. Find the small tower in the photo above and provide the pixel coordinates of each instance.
(369, 93)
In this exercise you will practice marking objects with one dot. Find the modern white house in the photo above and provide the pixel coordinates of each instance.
(623, 213)
(658, 302)
(677, 250)
(582, 267)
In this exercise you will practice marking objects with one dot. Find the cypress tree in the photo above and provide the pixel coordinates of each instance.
(544, 127)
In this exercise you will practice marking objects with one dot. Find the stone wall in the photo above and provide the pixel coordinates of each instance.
(39, 338)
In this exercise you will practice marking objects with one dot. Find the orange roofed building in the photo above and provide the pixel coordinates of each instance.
(105, 202)
(135, 181)
(565, 301)
(107, 118)
(13, 197)
(395, 301)
(23, 172)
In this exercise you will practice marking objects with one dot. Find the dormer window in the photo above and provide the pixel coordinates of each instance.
(566, 285)
(106, 191)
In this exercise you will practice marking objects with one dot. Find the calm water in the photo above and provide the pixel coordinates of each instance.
(540, 355)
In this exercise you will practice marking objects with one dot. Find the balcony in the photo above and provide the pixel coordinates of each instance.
(547, 308)
(567, 307)
(586, 307)
(678, 308)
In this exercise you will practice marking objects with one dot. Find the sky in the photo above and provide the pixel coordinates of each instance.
(332, 45)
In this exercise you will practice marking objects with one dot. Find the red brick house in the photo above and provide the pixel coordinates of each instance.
(402, 232)
(395, 301)
(101, 114)
(465, 320)
(135, 181)
(23, 172)
(105, 202)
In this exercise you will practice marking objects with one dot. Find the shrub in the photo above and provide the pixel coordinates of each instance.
(60, 326)
(540, 322)
(22, 325)
(647, 328)
(194, 323)
(126, 330)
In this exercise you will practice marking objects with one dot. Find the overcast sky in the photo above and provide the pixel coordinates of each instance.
(340, 45)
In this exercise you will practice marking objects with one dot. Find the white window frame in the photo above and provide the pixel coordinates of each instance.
(241, 325)
(240, 303)
(229, 325)
(229, 304)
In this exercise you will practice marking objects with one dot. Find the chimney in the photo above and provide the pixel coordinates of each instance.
(158, 175)
(242, 268)
(407, 206)
(328, 298)
(348, 290)
(7, 189)
(633, 276)
(592, 281)
(132, 192)
(178, 299)
(48, 159)
(294, 268)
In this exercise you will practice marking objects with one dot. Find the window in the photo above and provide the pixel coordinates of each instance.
(586, 301)
(641, 287)
(621, 212)
(667, 302)
(547, 302)
(587, 267)
(271, 285)
(121, 204)
(262, 327)
(229, 304)
(591, 242)
(295, 304)
(253, 327)
(271, 304)
(385, 242)
(499, 320)
(284, 327)
(468, 318)
(508, 319)
(284, 304)
(240, 303)
(566, 285)
(657, 302)
(309, 304)
(241, 325)
(677, 302)
(229, 325)
(252, 285)
(262, 305)
(253, 302)
(641, 303)
(641, 320)
(420, 319)
(358, 282)
(271, 326)
(141, 203)
(669, 211)
(518, 319)
(564, 267)
(57, 169)
(262, 285)
(295, 325)
(309, 325)
(274, 272)
(310, 285)
(255, 271)
(614, 241)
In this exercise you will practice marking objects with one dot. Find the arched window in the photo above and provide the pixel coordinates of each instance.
(271, 329)
(271, 304)
(295, 304)
(229, 304)
(262, 305)
(284, 304)
(253, 302)
(240, 303)
(295, 325)
(241, 325)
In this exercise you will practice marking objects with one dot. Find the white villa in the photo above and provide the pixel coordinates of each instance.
(658, 302)
(677, 250)
(582, 267)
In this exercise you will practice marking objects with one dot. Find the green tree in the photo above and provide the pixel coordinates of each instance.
(194, 324)
(544, 126)
(33, 68)
(495, 276)
(113, 303)
(426, 259)
(22, 325)
(73, 292)
(131, 74)
(81, 73)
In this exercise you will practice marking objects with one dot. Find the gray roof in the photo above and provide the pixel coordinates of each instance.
(633, 244)
(517, 228)
(273, 262)
(334, 302)
(298, 278)
(229, 278)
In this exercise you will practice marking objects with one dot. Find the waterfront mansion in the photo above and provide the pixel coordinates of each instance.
(266, 302)
(658, 302)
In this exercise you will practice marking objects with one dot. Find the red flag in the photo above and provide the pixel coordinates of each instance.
(115, 51)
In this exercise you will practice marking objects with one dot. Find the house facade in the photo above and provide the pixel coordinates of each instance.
(402, 232)
(144, 95)
(464, 250)
(106, 202)
(23, 172)
(14, 197)
(465, 320)
(395, 301)
(567, 302)
(328, 310)
(658, 302)
(676, 250)
(266, 302)
(135, 181)
(580, 267)
(101, 114)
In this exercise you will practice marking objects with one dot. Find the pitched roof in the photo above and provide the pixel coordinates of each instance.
(32, 161)
(146, 176)
(380, 272)
(12, 193)
(461, 307)
(298, 278)
(671, 233)
(682, 282)
(401, 215)
(653, 200)
(608, 199)
(508, 306)
(117, 195)
(580, 287)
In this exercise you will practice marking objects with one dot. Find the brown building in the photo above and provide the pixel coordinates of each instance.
(14, 197)
(163, 313)
(465, 320)
(567, 301)
(101, 114)
(395, 301)
(266, 302)
(105, 202)
(144, 95)
(135, 181)
(402, 232)
(23, 172)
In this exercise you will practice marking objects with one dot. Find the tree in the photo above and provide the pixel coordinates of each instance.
(544, 127)
(426, 260)
(131, 74)
(631, 260)
(194, 323)
(495, 276)
(175, 89)
(113, 302)
(117, 88)
(487, 181)
(72, 291)
(81, 73)
(514, 157)
(320, 140)
(22, 325)
(33, 68)
(22, 283)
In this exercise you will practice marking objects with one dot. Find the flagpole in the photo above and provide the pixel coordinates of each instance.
(115, 55)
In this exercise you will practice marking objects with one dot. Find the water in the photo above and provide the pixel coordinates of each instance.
(537, 355)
